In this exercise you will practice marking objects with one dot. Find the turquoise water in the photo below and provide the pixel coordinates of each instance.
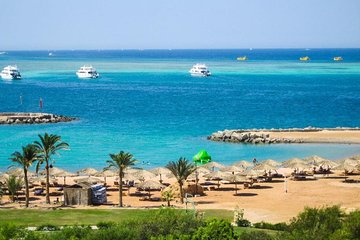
(145, 102)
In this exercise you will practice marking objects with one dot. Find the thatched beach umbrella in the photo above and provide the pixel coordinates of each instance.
(105, 174)
(315, 160)
(232, 169)
(213, 165)
(150, 185)
(292, 161)
(160, 171)
(3, 177)
(87, 172)
(217, 176)
(328, 163)
(91, 180)
(271, 163)
(243, 164)
(347, 165)
(18, 172)
(141, 174)
(235, 179)
(297, 165)
(264, 167)
(250, 173)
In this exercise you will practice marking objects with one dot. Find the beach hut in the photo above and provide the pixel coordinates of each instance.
(78, 194)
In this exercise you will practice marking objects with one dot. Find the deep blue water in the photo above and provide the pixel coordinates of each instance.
(145, 102)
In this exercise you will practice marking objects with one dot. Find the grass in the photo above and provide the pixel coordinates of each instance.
(37, 217)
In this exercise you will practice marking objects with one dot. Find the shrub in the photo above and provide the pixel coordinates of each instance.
(350, 228)
(105, 225)
(75, 232)
(239, 219)
(277, 226)
(215, 229)
(255, 235)
(316, 223)
(47, 227)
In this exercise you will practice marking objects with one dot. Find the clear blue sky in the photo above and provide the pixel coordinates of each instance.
(115, 24)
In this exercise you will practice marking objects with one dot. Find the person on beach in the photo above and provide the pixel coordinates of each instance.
(254, 161)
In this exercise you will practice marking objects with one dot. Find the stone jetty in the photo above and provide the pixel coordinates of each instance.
(291, 135)
(32, 118)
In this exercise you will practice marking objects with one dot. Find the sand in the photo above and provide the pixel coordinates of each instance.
(324, 136)
(265, 202)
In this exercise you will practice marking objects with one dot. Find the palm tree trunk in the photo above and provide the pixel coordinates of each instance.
(26, 188)
(120, 189)
(181, 192)
(47, 183)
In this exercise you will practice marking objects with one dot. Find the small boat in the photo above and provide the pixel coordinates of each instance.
(244, 58)
(87, 72)
(199, 70)
(304, 58)
(10, 73)
(338, 59)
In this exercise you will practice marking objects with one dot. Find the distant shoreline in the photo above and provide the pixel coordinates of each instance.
(16, 118)
(340, 135)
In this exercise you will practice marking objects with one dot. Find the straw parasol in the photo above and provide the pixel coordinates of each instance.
(87, 172)
(4, 177)
(235, 178)
(264, 167)
(91, 180)
(292, 161)
(217, 176)
(232, 169)
(250, 173)
(140, 174)
(150, 185)
(297, 165)
(18, 172)
(160, 171)
(105, 174)
(243, 164)
(328, 163)
(347, 165)
(271, 162)
(315, 160)
(213, 165)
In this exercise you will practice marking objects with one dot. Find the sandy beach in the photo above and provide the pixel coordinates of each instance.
(265, 201)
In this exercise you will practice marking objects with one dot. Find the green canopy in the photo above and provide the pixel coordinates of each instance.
(202, 157)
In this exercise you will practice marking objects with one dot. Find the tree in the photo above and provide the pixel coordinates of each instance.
(48, 146)
(181, 170)
(13, 184)
(168, 196)
(25, 160)
(1, 191)
(120, 162)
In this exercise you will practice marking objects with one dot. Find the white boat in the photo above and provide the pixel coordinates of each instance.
(87, 72)
(10, 73)
(199, 70)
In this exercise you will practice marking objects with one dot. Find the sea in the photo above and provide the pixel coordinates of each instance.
(145, 102)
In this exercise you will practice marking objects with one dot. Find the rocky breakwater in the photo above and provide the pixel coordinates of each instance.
(291, 135)
(243, 136)
(32, 118)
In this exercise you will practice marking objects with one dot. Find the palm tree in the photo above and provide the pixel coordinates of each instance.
(120, 162)
(181, 170)
(1, 191)
(13, 184)
(47, 146)
(167, 196)
(25, 159)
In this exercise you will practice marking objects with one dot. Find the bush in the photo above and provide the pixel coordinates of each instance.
(105, 225)
(215, 229)
(75, 232)
(316, 223)
(350, 228)
(8, 231)
(277, 226)
(47, 227)
(255, 235)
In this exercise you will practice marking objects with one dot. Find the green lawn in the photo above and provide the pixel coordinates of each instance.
(37, 217)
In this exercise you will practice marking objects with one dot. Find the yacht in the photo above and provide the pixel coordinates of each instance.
(87, 72)
(199, 70)
(244, 58)
(10, 73)
(338, 59)
(304, 58)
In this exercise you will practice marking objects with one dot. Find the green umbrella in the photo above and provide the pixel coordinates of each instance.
(202, 157)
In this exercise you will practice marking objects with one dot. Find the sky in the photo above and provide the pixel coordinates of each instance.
(178, 24)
